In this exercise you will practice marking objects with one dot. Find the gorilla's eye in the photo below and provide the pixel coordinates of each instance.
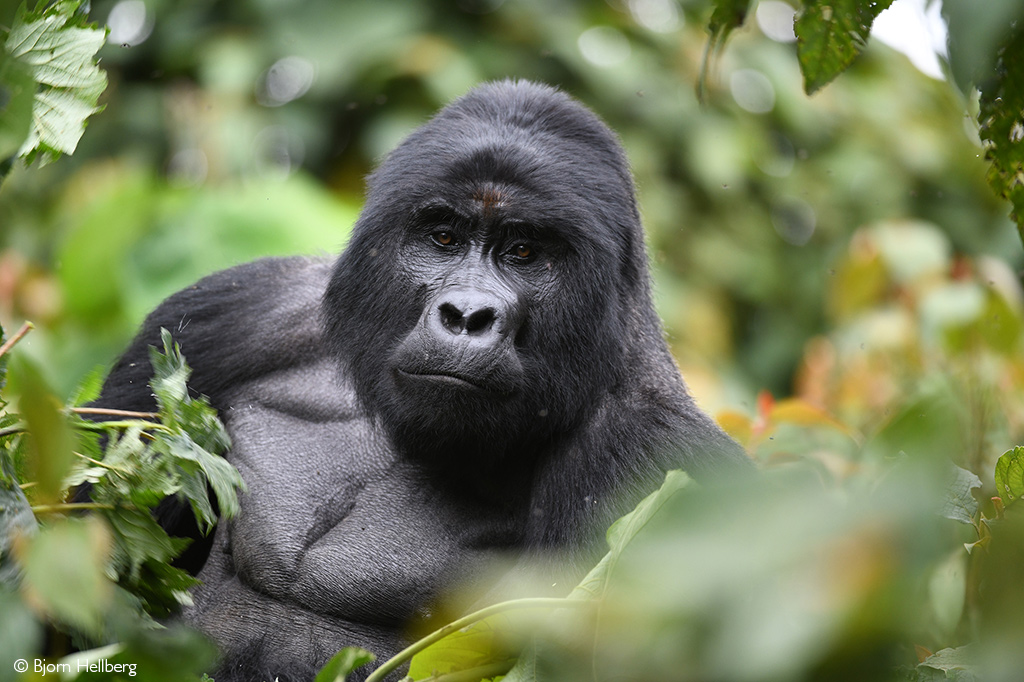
(443, 238)
(523, 251)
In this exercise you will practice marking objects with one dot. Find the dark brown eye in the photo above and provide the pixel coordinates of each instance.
(444, 238)
(523, 251)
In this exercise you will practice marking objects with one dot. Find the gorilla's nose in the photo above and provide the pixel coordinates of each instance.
(469, 321)
(480, 315)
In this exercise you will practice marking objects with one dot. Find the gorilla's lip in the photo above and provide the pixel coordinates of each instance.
(453, 380)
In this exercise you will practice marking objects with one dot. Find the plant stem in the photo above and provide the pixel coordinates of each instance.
(12, 430)
(516, 604)
(68, 506)
(103, 426)
(114, 413)
(25, 329)
(99, 463)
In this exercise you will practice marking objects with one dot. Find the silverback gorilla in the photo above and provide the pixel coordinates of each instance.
(480, 374)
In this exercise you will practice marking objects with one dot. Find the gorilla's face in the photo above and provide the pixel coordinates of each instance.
(482, 304)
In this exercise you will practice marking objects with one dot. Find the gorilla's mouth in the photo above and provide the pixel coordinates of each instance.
(452, 380)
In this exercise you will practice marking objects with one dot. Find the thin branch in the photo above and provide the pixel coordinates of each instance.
(99, 463)
(534, 603)
(107, 412)
(25, 329)
(68, 506)
(13, 430)
(103, 426)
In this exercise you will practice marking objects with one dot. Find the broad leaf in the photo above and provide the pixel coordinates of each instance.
(1010, 475)
(343, 663)
(17, 88)
(60, 47)
(64, 572)
(831, 35)
(51, 442)
(959, 504)
(726, 16)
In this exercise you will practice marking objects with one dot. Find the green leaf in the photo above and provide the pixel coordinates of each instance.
(204, 437)
(343, 663)
(959, 504)
(60, 48)
(726, 16)
(50, 442)
(17, 88)
(483, 643)
(976, 38)
(139, 538)
(1010, 475)
(1002, 129)
(960, 658)
(831, 34)
(16, 519)
(19, 631)
(624, 530)
(64, 572)
(3, 361)
(88, 388)
(220, 474)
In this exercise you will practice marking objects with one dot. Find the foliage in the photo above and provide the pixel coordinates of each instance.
(830, 36)
(102, 578)
(841, 252)
(986, 54)
(49, 81)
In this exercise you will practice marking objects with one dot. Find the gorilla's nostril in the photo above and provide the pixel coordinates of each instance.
(480, 321)
(451, 318)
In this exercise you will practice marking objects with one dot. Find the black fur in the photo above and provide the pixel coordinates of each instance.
(481, 373)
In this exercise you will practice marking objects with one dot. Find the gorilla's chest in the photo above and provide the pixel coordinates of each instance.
(334, 521)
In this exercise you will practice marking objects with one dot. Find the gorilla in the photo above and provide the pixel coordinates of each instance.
(480, 375)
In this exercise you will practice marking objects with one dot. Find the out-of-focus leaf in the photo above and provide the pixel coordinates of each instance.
(343, 663)
(960, 658)
(50, 440)
(65, 572)
(140, 537)
(926, 428)
(20, 632)
(3, 363)
(947, 589)
(171, 654)
(16, 520)
(1010, 475)
(736, 424)
(831, 35)
(726, 16)
(802, 413)
(60, 47)
(480, 644)
(975, 38)
(622, 533)
(16, 91)
(959, 504)
(88, 388)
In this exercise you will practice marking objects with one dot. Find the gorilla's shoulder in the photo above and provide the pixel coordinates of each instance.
(232, 325)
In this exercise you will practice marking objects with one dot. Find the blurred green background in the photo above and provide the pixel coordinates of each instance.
(239, 129)
(840, 287)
